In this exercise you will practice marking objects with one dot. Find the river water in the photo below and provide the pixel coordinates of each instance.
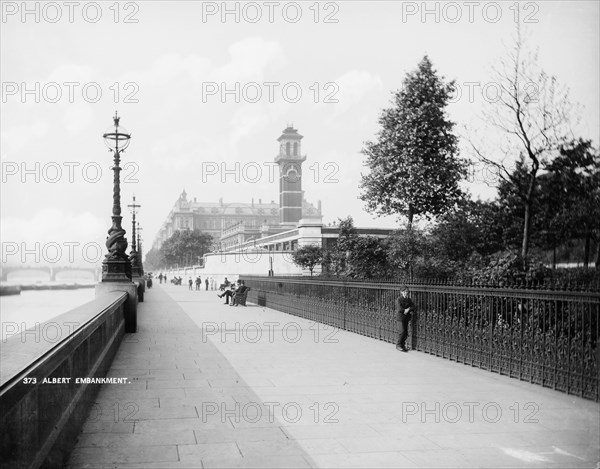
(19, 312)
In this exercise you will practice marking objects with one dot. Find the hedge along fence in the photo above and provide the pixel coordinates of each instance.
(548, 338)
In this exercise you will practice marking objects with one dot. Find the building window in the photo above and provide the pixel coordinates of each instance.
(295, 148)
(287, 149)
(274, 211)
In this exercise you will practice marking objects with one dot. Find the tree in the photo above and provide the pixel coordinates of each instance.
(184, 247)
(533, 115)
(511, 213)
(369, 259)
(472, 227)
(308, 257)
(569, 196)
(347, 234)
(337, 259)
(406, 248)
(154, 260)
(413, 163)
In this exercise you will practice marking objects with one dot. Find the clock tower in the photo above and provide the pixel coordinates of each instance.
(290, 177)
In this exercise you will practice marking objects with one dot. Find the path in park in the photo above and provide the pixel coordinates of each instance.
(210, 389)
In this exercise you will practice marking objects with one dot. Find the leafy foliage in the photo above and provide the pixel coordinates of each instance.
(413, 163)
(569, 196)
(348, 235)
(369, 258)
(336, 260)
(308, 257)
(408, 248)
(507, 268)
(567, 202)
(185, 247)
(154, 260)
(472, 227)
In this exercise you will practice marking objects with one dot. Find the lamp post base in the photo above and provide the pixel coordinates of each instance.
(116, 270)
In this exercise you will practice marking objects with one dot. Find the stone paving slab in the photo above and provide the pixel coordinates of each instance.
(220, 386)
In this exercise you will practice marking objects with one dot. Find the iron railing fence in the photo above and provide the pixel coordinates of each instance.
(590, 284)
(545, 337)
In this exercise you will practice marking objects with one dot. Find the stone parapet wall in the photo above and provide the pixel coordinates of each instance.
(44, 398)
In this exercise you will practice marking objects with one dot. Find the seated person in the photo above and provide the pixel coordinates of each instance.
(228, 293)
(225, 284)
(240, 294)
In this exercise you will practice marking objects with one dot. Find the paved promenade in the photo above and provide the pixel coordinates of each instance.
(218, 386)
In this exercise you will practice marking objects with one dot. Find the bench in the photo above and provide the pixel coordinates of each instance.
(240, 298)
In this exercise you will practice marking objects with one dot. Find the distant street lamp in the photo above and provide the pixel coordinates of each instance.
(134, 256)
(116, 266)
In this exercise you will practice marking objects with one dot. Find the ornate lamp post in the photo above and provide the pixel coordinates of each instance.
(116, 266)
(134, 255)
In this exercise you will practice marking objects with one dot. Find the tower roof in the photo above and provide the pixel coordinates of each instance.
(289, 133)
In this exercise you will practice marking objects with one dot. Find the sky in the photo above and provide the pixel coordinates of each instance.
(206, 88)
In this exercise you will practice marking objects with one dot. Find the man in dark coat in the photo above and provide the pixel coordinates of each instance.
(239, 298)
(404, 310)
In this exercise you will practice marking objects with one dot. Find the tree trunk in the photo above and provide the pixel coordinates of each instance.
(526, 232)
(586, 249)
(410, 218)
(528, 212)
(409, 229)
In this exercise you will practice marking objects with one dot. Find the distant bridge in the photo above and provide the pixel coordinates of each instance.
(52, 273)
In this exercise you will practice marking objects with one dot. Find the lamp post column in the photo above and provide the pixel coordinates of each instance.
(116, 266)
(134, 255)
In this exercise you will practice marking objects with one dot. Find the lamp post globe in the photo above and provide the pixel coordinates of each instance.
(116, 137)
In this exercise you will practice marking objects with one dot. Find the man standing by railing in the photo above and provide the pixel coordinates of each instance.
(404, 309)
